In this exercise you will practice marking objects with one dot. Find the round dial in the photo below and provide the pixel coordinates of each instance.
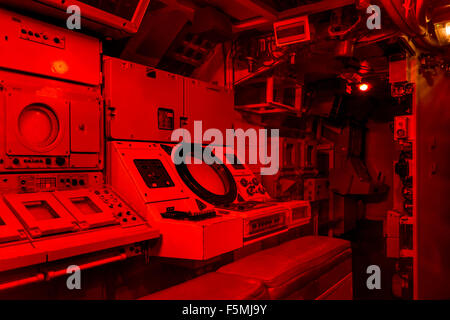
(38, 126)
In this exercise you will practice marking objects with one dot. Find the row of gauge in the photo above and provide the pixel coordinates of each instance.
(56, 202)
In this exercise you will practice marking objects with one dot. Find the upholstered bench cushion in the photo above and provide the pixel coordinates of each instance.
(291, 265)
(213, 286)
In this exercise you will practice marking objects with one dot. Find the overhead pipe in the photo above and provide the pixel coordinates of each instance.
(439, 9)
(420, 19)
(410, 25)
(434, 7)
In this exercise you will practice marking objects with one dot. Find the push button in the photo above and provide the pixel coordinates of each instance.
(60, 161)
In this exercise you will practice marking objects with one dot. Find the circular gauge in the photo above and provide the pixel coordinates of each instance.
(213, 183)
(38, 127)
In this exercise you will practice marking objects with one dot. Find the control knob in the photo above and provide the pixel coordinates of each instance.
(60, 161)
(244, 182)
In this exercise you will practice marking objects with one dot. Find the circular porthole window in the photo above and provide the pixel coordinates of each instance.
(38, 127)
(213, 183)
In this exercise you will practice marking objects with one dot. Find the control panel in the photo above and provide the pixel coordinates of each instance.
(153, 173)
(47, 182)
(36, 162)
(146, 176)
(40, 229)
(123, 213)
(57, 52)
(44, 36)
(267, 224)
(260, 218)
(46, 127)
(251, 185)
(50, 226)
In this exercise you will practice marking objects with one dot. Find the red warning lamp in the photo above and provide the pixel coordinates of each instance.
(363, 87)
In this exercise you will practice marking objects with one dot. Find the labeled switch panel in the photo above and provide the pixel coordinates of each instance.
(154, 173)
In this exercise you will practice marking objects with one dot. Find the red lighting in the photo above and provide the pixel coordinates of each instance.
(363, 87)
(60, 67)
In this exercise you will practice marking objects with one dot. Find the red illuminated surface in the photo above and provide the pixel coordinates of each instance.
(60, 67)
(39, 229)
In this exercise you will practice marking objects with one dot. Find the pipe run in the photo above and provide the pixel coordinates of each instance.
(40, 277)
(410, 23)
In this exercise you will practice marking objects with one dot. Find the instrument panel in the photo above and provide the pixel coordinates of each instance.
(46, 125)
(67, 223)
(153, 173)
(249, 186)
(57, 52)
(260, 218)
(16, 249)
(191, 227)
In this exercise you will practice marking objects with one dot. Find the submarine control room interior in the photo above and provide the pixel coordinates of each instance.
(224, 149)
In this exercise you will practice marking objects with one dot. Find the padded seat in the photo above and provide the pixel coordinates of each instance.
(213, 286)
(293, 265)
